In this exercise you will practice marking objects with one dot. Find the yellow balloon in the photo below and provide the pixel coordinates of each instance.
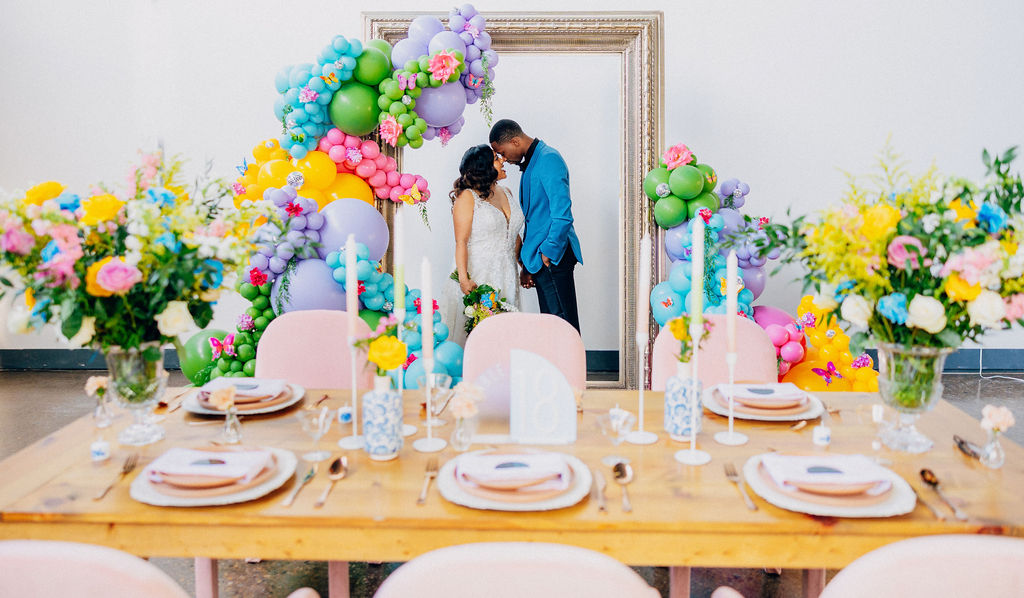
(317, 196)
(263, 149)
(317, 169)
(349, 185)
(816, 336)
(274, 173)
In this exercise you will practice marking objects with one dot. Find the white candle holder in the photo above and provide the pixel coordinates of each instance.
(732, 437)
(429, 444)
(693, 455)
(641, 436)
(356, 440)
(407, 429)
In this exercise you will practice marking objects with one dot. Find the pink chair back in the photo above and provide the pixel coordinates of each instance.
(47, 569)
(310, 348)
(755, 355)
(934, 567)
(514, 569)
(488, 349)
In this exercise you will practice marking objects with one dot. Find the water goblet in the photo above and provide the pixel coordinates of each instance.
(440, 388)
(616, 425)
(316, 424)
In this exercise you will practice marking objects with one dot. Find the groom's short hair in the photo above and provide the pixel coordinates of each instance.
(504, 130)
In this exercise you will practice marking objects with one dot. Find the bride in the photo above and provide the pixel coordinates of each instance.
(487, 241)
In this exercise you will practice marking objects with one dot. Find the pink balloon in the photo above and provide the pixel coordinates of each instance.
(777, 334)
(336, 152)
(421, 183)
(351, 141)
(324, 145)
(406, 180)
(335, 136)
(390, 164)
(382, 192)
(393, 178)
(784, 367)
(366, 169)
(766, 314)
(381, 161)
(378, 179)
(370, 149)
(794, 333)
(395, 193)
(791, 352)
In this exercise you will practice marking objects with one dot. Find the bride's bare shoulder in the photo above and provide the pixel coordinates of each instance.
(464, 200)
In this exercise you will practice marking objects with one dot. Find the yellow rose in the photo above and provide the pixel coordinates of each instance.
(91, 286)
(100, 208)
(386, 352)
(42, 192)
(30, 298)
(679, 329)
(964, 212)
(880, 220)
(959, 289)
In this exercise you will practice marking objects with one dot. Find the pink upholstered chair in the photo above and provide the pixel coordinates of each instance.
(514, 569)
(487, 355)
(755, 355)
(311, 348)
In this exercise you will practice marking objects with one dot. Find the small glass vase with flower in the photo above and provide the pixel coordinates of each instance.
(995, 421)
(464, 408)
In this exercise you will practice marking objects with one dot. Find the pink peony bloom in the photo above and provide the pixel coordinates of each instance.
(1015, 307)
(217, 228)
(970, 264)
(117, 276)
(307, 94)
(443, 64)
(899, 255)
(390, 129)
(16, 240)
(677, 156)
(60, 271)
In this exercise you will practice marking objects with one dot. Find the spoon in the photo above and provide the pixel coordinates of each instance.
(932, 480)
(623, 473)
(337, 470)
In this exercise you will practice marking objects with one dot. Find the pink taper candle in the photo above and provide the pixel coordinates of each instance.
(351, 284)
(427, 314)
(731, 301)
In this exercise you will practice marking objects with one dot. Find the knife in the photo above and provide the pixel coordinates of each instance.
(968, 448)
(599, 485)
(291, 497)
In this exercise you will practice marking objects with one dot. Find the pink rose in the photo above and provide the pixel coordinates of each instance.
(899, 255)
(117, 276)
(16, 240)
(390, 129)
(676, 156)
(1015, 307)
(995, 418)
(443, 64)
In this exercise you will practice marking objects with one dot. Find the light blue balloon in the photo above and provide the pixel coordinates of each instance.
(413, 339)
(348, 63)
(745, 296)
(299, 117)
(665, 303)
(298, 151)
(312, 108)
(375, 277)
(281, 81)
(311, 129)
(333, 260)
(440, 332)
(450, 355)
(292, 96)
(416, 370)
(325, 98)
(373, 302)
(355, 48)
(340, 44)
(316, 84)
(679, 277)
(362, 251)
(363, 269)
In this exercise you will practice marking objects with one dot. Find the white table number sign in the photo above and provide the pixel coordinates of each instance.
(543, 406)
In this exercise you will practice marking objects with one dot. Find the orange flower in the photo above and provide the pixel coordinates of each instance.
(91, 286)
(959, 289)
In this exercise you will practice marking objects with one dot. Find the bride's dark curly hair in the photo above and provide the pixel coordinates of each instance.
(476, 172)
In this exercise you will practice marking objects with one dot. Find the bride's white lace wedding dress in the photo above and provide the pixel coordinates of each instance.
(492, 260)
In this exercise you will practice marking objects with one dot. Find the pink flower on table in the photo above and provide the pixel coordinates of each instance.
(899, 255)
(17, 240)
(443, 64)
(676, 156)
(390, 129)
(995, 418)
(117, 276)
(1015, 307)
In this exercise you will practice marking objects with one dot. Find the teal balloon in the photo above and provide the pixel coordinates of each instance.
(354, 109)
(669, 211)
(686, 182)
(372, 67)
(655, 177)
(197, 353)
(449, 354)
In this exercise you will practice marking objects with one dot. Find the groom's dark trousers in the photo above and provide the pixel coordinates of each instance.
(556, 289)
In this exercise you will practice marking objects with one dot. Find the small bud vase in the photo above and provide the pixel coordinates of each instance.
(462, 435)
(992, 454)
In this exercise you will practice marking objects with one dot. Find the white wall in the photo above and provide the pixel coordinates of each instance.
(780, 94)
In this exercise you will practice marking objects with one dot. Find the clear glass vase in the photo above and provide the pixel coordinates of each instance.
(909, 381)
(232, 432)
(137, 384)
(992, 454)
(462, 435)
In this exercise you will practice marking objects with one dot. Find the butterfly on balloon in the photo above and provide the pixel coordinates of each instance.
(227, 346)
(828, 373)
(413, 196)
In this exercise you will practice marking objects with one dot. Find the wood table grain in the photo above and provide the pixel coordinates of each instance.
(682, 515)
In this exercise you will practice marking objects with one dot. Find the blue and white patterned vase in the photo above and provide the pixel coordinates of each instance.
(382, 420)
(684, 408)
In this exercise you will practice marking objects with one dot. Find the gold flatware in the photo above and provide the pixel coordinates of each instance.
(932, 480)
(337, 471)
(734, 477)
(599, 485)
(623, 475)
(428, 475)
(126, 468)
(309, 476)
(318, 402)
(174, 403)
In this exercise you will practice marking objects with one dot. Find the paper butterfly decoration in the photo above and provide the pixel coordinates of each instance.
(226, 346)
(667, 302)
(739, 283)
(330, 77)
(413, 196)
(244, 167)
(474, 82)
(406, 82)
(828, 373)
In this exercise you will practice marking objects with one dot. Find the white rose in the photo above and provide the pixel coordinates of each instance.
(18, 320)
(987, 310)
(826, 299)
(84, 334)
(132, 258)
(210, 295)
(926, 313)
(930, 222)
(133, 243)
(856, 310)
(469, 311)
(175, 319)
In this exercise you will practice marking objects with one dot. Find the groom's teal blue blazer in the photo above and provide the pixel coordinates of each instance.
(544, 196)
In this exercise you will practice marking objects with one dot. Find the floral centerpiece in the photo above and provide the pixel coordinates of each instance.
(917, 264)
(683, 403)
(483, 302)
(125, 272)
(382, 407)
(680, 329)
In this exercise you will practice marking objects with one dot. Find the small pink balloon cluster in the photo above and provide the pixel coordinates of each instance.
(364, 159)
(789, 344)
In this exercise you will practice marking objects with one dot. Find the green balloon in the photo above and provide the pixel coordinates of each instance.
(705, 200)
(197, 353)
(381, 45)
(655, 177)
(217, 373)
(249, 291)
(416, 143)
(249, 369)
(710, 178)
(265, 289)
(669, 211)
(243, 338)
(354, 110)
(384, 102)
(245, 352)
(269, 314)
(397, 108)
(392, 90)
(686, 182)
(372, 67)
(224, 364)
(261, 302)
(372, 318)
(260, 323)
(254, 312)
(236, 366)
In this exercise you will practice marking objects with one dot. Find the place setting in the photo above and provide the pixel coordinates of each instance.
(772, 402)
(252, 396)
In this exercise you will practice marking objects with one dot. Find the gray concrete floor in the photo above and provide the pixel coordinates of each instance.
(25, 419)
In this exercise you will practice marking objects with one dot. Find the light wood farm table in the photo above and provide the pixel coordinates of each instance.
(683, 516)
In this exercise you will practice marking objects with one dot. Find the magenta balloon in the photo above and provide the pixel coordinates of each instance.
(441, 106)
(446, 40)
(347, 216)
(311, 286)
(755, 279)
(406, 50)
(766, 314)
(424, 28)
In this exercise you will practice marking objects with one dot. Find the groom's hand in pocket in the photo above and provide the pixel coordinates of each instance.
(526, 279)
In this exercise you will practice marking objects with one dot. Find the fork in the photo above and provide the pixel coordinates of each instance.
(428, 475)
(734, 477)
(128, 467)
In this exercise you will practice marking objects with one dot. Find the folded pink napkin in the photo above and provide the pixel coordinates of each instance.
(222, 464)
(838, 470)
(247, 387)
(513, 468)
(767, 392)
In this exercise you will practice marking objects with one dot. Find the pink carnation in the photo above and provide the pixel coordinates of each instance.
(16, 240)
(899, 255)
(443, 64)
(677, 156)
(390, 129)
(1015, 307)
(117, 276)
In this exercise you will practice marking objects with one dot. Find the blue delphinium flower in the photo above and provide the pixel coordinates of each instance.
(169, 241)
(50, 251)
(69, 201)
(992, 217)
(160, 196)
(894, 308)
(843, 290)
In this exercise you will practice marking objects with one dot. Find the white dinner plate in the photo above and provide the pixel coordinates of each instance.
(143, 491)
(814, 409)
(901, 499)
(191, 403)
(453, 492)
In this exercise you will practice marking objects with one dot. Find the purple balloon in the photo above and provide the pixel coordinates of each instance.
(311, 286)
(456, 22)
(467, 38)
(483, 41)
(468, 11)
(297, 223)
(290, 191)
(733, 220)
(259, 261)
(424, 28)
(472, 53)
(314, 221)
(477, 21)
(266, 250)
(456, 126)
(343, 217)
(277, 265)
(406, 50)
(312, 236)
(429, 133)
(677, 239)
(471, 96)
(477, 67)
(285, 251)
(492, 58)
(441, 106)
(755, 280)
(446, 40)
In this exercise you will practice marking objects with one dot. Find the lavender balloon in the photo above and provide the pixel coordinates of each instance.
(754, 279)
(733, 193)
(406, 50)
(446, 40)
(441, 106)
(310, 286)
(424, 28)
(677, 240)
(353, 216)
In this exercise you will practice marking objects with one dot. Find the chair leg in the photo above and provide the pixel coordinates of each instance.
(206, 577)
(814, 582)
(337, 579)
(679, 582)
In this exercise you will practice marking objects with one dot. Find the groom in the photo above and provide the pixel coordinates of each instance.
(550, 247)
